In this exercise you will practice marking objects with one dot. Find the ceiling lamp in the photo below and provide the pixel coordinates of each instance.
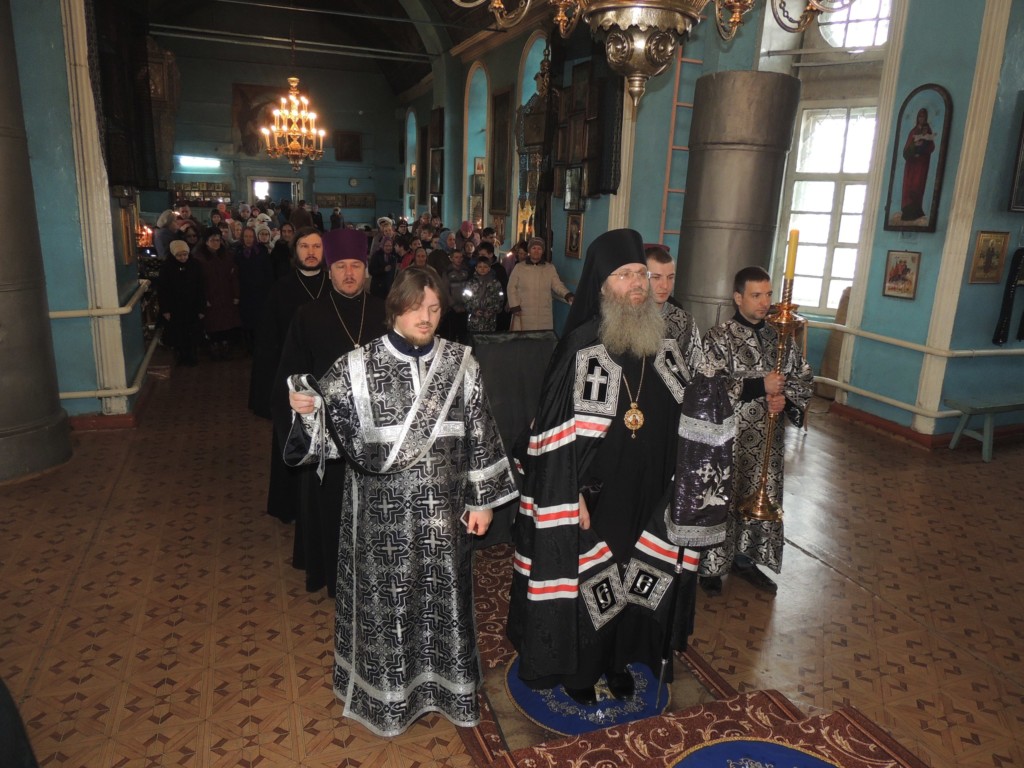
(640, 36)
(294, 134)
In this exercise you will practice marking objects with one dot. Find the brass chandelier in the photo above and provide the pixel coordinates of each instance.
(294, 135)
(640, 36)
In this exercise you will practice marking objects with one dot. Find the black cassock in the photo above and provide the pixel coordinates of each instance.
(288, 294)
(585, 602)
(321, 332)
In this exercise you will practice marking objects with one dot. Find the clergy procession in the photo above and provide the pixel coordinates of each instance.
(625, 492)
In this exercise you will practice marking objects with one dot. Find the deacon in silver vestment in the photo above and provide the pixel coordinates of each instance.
(744, 348)
(425, 468)
(679, 324)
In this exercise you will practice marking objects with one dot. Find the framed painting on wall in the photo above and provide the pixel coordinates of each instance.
(580, 86)
(348, 147)
(901, 270)
(363, 200)
(573, 180)
(577, 139)
(475, 207)
(330, 200)
(437, 127)
(989, 255)
(498, 222)
(501, 106)
(436, 171)
(919, 147)
(573, 235)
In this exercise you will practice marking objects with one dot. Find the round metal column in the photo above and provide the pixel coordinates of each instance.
(33, 427)
(741, 133)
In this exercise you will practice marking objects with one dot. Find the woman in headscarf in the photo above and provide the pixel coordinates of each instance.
(281, 254)
(255, 277)
(531, 287)
(220, 280)
(383, 267)
(234, 230)
(190, 234)
(464, 235)
(182, 302)
(447, 241)
(166, 230)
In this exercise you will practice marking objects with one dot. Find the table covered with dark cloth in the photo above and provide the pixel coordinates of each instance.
(512, 366)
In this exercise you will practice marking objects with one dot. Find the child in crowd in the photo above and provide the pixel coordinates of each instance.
(483, 297)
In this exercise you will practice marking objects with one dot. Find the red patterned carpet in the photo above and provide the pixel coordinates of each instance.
(844, 738)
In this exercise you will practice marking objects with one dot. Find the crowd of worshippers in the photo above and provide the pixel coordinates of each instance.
(620, 497)
(217, 275)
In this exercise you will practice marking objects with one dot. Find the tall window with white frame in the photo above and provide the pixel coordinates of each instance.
(827, 187)
(826, 184)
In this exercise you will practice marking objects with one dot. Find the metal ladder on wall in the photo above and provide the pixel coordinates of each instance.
(677, 157)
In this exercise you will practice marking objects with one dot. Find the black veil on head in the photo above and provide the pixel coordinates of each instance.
(605, 255)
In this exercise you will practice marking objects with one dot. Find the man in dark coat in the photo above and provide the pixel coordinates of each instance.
(322, 331)
(304, 282)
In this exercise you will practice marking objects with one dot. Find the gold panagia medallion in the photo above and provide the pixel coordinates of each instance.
(634, 419)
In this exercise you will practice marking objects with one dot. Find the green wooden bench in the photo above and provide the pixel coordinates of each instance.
(969, 407)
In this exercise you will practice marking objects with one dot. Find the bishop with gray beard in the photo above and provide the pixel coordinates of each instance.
(593, 562)
(631, 328)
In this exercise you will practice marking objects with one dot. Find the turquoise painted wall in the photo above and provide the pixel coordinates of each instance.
(478, 111)
(356, 101)
(936, 50)
(978, 308)
(42, 70)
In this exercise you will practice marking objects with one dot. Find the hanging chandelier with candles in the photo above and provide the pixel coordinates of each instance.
(294, 135)
(640, 36)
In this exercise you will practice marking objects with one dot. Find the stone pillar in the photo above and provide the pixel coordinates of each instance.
(741, 134)
(33, 427)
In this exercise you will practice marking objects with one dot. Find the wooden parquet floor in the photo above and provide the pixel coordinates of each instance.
(149, 614)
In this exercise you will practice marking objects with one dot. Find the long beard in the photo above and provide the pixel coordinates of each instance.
(628, 329)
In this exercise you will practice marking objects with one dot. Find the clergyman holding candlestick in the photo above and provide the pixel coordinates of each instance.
(745, 349)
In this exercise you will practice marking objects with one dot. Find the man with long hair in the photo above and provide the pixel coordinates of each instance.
(425, 467)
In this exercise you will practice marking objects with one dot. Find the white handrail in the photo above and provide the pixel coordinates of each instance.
(935, 351)
(105, 311)
(923, 348)
(885, 399)
(140, 376)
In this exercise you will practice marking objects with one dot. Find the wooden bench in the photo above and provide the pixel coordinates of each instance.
(969, 407)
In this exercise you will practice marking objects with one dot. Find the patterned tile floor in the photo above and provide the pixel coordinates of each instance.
(149, 615)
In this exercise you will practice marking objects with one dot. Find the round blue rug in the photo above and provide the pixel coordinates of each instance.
(553, 709)
(750, 753)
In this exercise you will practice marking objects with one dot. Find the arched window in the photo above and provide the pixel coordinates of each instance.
(865, 24)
